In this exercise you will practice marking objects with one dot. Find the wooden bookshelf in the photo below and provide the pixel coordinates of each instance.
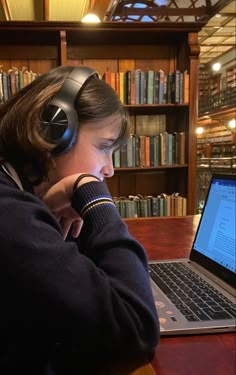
(120, 47)
(231, 77)
(216, 141)
(214, 85)
(203, 80)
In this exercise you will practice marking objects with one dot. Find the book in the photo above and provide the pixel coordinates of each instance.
(176, 87)
(131, 151)
(147, 151)
(163, 148)
(121, 87)
(156, 87)
(152, 150)
(132, 87)
(150, 80)
(107, 77)
(138, 86)
(143, 96)
(137, 150)
(127, 87)
(117, 83)
(12, 79)
(5, 86)
(142, 150)
(156, 150)
(123, 156)
(161, 86)
(186, 84)
(116, 158)
(182, 159)
(165, 92)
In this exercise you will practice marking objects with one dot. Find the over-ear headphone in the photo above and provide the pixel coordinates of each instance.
(59, 118)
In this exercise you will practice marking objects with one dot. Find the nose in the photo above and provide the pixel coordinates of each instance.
(107, 169)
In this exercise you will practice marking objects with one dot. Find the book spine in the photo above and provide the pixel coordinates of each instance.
(142, 87)
(132, 87)
(138, 86)
(150, 80)
(127, 90)
(177, 86)
(130, 153)
(186, 84)
(123, 156)
(121, 90)
(156, 87)
(161, 86)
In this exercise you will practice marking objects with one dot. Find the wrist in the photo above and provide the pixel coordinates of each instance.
(84, 179)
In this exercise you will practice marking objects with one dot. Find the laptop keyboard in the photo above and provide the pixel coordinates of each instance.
(192, 295)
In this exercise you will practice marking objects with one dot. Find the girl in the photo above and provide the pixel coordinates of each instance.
(74, 282)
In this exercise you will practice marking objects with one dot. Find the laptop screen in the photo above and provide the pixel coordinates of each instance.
(215, 239)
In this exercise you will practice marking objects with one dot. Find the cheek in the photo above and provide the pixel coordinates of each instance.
(87, 161)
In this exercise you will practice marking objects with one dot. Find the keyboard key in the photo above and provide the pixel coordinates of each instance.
(216, 314)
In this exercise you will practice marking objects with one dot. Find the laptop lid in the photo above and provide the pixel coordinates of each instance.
(214, 246)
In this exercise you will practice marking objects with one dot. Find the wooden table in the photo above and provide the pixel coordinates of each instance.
(211, 354)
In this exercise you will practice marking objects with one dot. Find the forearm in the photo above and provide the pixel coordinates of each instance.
(105, 239)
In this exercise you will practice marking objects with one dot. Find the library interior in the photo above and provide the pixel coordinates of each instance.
(173, 65)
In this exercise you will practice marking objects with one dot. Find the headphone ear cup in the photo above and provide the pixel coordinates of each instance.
(54, 123)
(59, 119)
(60, 128)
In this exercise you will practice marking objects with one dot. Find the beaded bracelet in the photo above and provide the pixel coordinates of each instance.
(81, 177)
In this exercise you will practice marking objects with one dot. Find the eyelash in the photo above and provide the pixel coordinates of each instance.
(105, 148)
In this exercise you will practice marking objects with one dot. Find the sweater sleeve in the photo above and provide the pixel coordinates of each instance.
(91, 295)
(106, 241)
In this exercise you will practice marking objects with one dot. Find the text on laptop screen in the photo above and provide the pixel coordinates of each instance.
(216, 235)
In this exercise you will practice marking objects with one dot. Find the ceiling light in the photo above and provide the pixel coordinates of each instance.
(91, 18)
(199, 130)
(216, 67)
(232, 124)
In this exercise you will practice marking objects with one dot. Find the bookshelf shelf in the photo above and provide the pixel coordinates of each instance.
(119, 47)
(145, 169)
(150, 106)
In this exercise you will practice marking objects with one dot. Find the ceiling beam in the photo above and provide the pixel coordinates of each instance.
(213, 30)
(217, 44)
(6, 10)
(46, 10)
(99, 7)
(162, 11)
(218, 7)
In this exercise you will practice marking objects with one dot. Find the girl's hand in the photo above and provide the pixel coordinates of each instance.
(69, 220)
(58, 200)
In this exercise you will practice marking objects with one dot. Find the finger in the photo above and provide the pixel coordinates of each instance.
(65, 225)
(76, 228)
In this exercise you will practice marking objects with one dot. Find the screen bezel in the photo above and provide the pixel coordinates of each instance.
(215, 268)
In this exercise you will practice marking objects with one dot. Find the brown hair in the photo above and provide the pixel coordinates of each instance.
(21, 136)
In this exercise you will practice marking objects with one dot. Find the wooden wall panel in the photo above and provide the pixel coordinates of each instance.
(28, 52)
(37, 66)
(100, 65)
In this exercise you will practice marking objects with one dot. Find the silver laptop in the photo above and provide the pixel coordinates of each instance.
(198, 295)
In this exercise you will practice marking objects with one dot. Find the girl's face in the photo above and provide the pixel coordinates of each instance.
(92, 152)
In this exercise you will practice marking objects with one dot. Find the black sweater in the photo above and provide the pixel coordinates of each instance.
(63, 302)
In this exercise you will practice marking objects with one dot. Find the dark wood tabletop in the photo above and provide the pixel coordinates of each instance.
(210, 354)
